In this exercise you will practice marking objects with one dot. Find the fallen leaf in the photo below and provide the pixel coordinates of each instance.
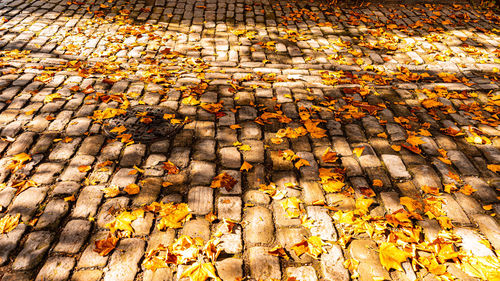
(329, 156)
(111, 191)
(106, 245)
(170, 168)
(494, 167)
(391, 256)
(246, 166)
(200, 272)
(8, 223)
(224, 180)
(132, 189)
(278, 251)
(358, 151)
(430, 189)
(84, 168)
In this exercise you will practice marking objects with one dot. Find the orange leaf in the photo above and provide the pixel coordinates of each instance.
(246, 166)
(234, 127)
(224, 180)
(414, 140)
(430, 189)
(329, 156)
(132, 189)
(494, 167)
(170, 168)
(377, 183)
(106, 245)
(278, 251)
(396, 147)
(83, 168)
(301, 162)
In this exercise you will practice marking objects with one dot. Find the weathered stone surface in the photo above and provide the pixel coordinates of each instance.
(197, 228)
(27, 202)
(89, 257)
(258, 225)
(53, 213)
(262, 265)
(201, 173)
(150, 189)
(123, 264)
(9, 242)
(88, 202)
(229, 208)
(323, 224)
(306, 273)
(73, 236)
(56, 268)
(201, 200)
(332, 268)
(34, 249)
(230, 269)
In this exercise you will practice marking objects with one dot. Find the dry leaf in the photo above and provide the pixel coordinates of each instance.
(358, 151)
(391, 256)
(246, 166)
(430, 189)
(170, 168)
(200, 272)
(111, 191)
(8, 223)
(84, 168)
(224, 180)
(329, 156)
(278, 251)
(106, 245)
(132, 189)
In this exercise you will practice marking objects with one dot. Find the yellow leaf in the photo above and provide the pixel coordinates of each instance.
(70, 198)
(171, 215)
(122, 223)
(8, 223)
(487, 207)
(411, 204)
(362, 205)
(111, 191)
(200, 272)
(358, 151)
(278, 251)
(430, 189)
(333, 186)
(391, 256)
(18, 161)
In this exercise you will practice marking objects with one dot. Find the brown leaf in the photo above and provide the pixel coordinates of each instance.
(106, 245)
(224, 180)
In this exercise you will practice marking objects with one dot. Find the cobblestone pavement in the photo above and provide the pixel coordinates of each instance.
(354, 135)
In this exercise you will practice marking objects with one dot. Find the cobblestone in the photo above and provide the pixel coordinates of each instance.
(404, 96)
